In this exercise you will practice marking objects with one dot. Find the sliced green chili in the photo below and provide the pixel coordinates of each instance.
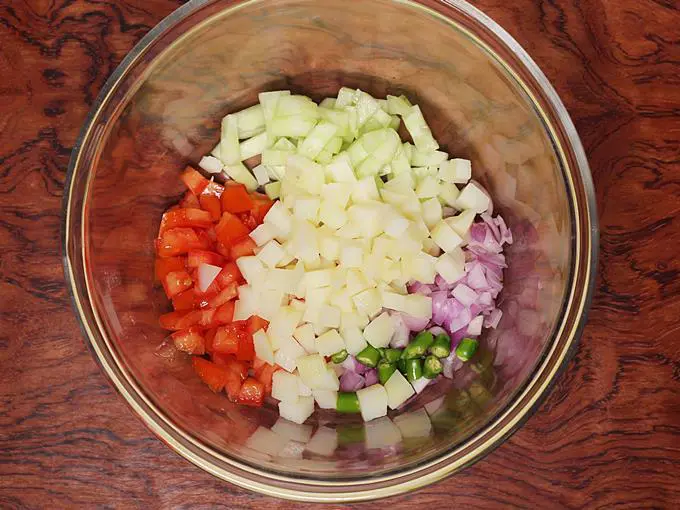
(432, 367)
(418, 347)
(347, 402)
(441, 347)
(369, 356)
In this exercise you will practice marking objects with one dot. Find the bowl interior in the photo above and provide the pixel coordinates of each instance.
(164, 112)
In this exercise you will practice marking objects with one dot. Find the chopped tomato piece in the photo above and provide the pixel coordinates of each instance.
(208, 337)
(224, 314)
(187, 300)
(228, 338)
(215, 376)
(261, 206)
(251, 393)
(190, 341)
(233, 385)
(225, 295)
(210, 233)
(172, 320)
(178, 241)
(211, 204)
(230, 229)
(197, 257)
(229, 361)
(207, 318)
(176, 282)
(194, 180)
(190, 201)
(243, 248)
(213, 188)
(230, 274)
(246, 348)
(192, 318)
(205, 297)
(264, 374)
(249, 221)
(185, 218)
(223, 249)
(236, 199)
(255, 324)
(221, 359)
(168, 265)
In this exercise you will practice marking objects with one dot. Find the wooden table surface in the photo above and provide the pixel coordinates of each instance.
(609, 434)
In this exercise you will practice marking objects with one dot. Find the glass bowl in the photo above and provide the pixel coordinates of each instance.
(484, 98)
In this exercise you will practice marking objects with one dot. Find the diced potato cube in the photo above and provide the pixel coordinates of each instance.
(264, 233)
(297, 411)
(354, 339)
(271, 253)
(315, 374)
(368, 302)
(263, 348)
(448, 194)
(288, 353)
(307, 209)
(351, 256)
(451, 266)
(332, 214)
(473, 197)
(456, 171)
(252, 269)
(285, 386)
(306, 337)
(329, 343)
(283, 324)
(428, 187)
(353, 319)
(326, 399)
(462, 222)
(379, 331)
(329, 316)
(337, 193)
(432, 212)
(445, 237)
(279, 217)
(419, 306)
(373, 402)
(398, 389)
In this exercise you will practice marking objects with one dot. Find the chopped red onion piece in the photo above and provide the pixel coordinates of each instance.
(475, 326)
(401, 334)
(414, 323)
(476, 278)
(436, 330)
(461, 320)
(351, 381)
(371, 377)
(486, 218)
(352, 365)
(464, 294)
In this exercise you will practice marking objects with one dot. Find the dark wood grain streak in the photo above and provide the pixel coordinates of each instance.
(608, 435)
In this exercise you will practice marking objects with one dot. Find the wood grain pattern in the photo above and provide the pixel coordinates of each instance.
(609, 434)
